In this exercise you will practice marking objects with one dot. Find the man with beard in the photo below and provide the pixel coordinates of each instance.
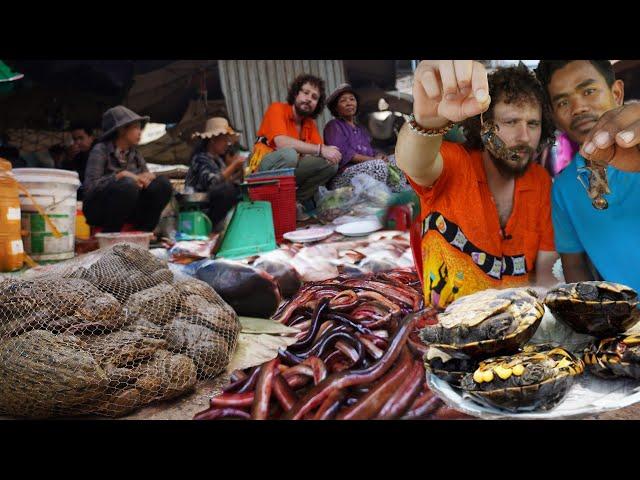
(485, 205)
(291, 131)
(596, 198)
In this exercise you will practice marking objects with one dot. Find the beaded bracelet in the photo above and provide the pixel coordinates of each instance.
(428, 132)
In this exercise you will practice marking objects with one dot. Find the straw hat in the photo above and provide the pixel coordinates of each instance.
(216, 126)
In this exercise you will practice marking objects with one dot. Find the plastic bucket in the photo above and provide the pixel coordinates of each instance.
(52, 192)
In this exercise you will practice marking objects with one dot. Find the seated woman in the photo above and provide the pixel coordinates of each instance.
(354, 143)
(118, 186)
(214, 169)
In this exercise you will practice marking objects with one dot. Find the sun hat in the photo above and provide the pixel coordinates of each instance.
(216, 126)
(118, 117)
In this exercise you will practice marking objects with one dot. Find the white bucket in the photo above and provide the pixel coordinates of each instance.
(55, 191)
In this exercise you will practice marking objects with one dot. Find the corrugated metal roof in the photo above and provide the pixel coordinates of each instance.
(249, 86)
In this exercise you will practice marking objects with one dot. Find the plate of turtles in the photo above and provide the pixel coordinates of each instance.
(556, 373)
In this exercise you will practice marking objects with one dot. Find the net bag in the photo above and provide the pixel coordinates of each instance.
(107, 333)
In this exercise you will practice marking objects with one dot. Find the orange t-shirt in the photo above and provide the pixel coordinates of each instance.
(463, 247)
(279, 120)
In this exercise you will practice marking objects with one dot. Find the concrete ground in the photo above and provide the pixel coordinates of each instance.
(184, 408)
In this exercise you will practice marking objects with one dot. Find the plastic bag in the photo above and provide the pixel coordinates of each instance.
(335, 203)
(365, 197)
(188, 251)
(370, 191)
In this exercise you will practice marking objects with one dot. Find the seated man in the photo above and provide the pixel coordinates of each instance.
(83, 141)
(485, 205)
(596, 198)
(291, 131)
(118, 186)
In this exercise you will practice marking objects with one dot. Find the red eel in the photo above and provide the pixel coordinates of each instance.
(232, 400)
(260, 408)
(401, 400)
(314, 397)
(370, 404)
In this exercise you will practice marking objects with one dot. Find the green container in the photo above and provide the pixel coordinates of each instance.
(195, 224)
(250, 231)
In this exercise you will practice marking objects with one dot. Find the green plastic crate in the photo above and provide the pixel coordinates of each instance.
(250, 231)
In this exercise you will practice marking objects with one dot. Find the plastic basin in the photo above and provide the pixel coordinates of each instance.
(138, 238)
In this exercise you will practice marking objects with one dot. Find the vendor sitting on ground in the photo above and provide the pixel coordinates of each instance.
(290, 130)
(214, 169)
(83, 141)
(118, 186)
(354, 143)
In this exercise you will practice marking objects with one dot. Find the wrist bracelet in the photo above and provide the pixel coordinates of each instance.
(428, 132)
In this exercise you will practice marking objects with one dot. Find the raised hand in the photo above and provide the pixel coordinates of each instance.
(449, 91)
(620, 126)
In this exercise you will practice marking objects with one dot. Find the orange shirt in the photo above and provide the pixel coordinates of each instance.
(279, 120)
(463, 247)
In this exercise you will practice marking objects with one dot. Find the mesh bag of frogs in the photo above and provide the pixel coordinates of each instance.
(107, 333)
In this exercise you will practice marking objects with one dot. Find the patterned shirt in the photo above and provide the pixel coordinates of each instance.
(204, 171)
(463, 247)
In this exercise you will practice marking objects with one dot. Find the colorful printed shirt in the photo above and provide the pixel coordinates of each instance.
(464, 249)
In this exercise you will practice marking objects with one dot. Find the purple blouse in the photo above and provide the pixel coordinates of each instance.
(349, 140)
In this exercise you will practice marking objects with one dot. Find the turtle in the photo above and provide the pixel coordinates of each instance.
(449, 369)
(486, 323)
(598, 308)
(537, 378)
(614, 357)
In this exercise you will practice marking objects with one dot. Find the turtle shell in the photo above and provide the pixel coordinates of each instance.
(490, 322)
(602, 309)
(614, 357)
(451, 371)
(536, 379)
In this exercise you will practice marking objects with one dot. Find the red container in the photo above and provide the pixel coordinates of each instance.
(282, 197)
(399, 218)
(127, 227)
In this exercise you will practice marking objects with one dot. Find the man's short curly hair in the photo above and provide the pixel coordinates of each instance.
(511, 85)
(296, 86)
